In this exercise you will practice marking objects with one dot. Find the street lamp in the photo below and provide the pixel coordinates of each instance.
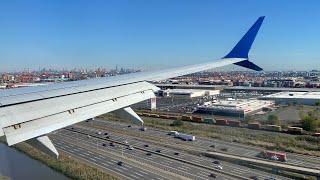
(126, 142)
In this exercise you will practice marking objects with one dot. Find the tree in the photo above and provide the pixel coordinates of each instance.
(273, 119)
(317, 103)
(309, 123)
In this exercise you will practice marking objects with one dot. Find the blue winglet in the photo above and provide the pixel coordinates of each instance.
(242, 48)
(249, 65)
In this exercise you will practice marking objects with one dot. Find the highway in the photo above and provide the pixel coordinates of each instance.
(169, 164)
(88, 148)
(204, 144)
(108, 163)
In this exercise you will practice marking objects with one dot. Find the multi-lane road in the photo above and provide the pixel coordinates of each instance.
(155, 154)
(205, 144)
(136, 164)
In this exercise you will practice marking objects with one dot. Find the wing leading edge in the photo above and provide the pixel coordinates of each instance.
(28, 113)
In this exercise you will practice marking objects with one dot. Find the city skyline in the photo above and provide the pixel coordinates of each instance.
(76, 34)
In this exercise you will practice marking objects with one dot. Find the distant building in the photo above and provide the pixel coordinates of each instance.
(306, 98)
(188, 93)
(280, 83)
(7, 78)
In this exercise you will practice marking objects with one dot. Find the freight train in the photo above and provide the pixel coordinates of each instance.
(232, 123)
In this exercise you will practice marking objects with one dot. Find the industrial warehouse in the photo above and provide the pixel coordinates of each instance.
(305, 98)
(231, 107)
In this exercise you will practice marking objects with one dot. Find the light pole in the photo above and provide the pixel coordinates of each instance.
(97, 143)
(126, 142)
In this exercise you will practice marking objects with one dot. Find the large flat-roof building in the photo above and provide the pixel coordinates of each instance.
(189, 93)
(232, 107)
(306, 98)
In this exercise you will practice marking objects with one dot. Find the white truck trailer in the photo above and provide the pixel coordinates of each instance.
(186, 137)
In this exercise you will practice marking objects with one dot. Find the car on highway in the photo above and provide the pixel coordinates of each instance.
(143, 129)
(106, 133)
(270, 178)
(99, 133)
(158, 150)
(89, 119)
(130, 148)
(120, 163)
(112, 144)
(129, 126)
(176, 153)
(148, 154)
(146, 145)
(107, 137)
(88, 136)
(104, 144)
(213, 175)
(216, 162)
(218, 167)
(254, 177)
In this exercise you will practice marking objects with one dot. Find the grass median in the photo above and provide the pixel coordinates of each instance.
(70, 167)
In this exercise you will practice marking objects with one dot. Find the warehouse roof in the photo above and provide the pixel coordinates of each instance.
(294, 95)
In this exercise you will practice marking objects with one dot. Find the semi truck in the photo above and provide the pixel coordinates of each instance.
(186, 137)
(272, 155)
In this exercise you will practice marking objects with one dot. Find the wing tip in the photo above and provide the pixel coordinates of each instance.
(249, 65)
(241, 49)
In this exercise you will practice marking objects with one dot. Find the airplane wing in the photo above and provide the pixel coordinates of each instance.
(30, 113)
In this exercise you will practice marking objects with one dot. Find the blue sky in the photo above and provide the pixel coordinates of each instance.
(155, 33)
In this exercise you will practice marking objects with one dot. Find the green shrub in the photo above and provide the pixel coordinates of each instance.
(177, 123)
